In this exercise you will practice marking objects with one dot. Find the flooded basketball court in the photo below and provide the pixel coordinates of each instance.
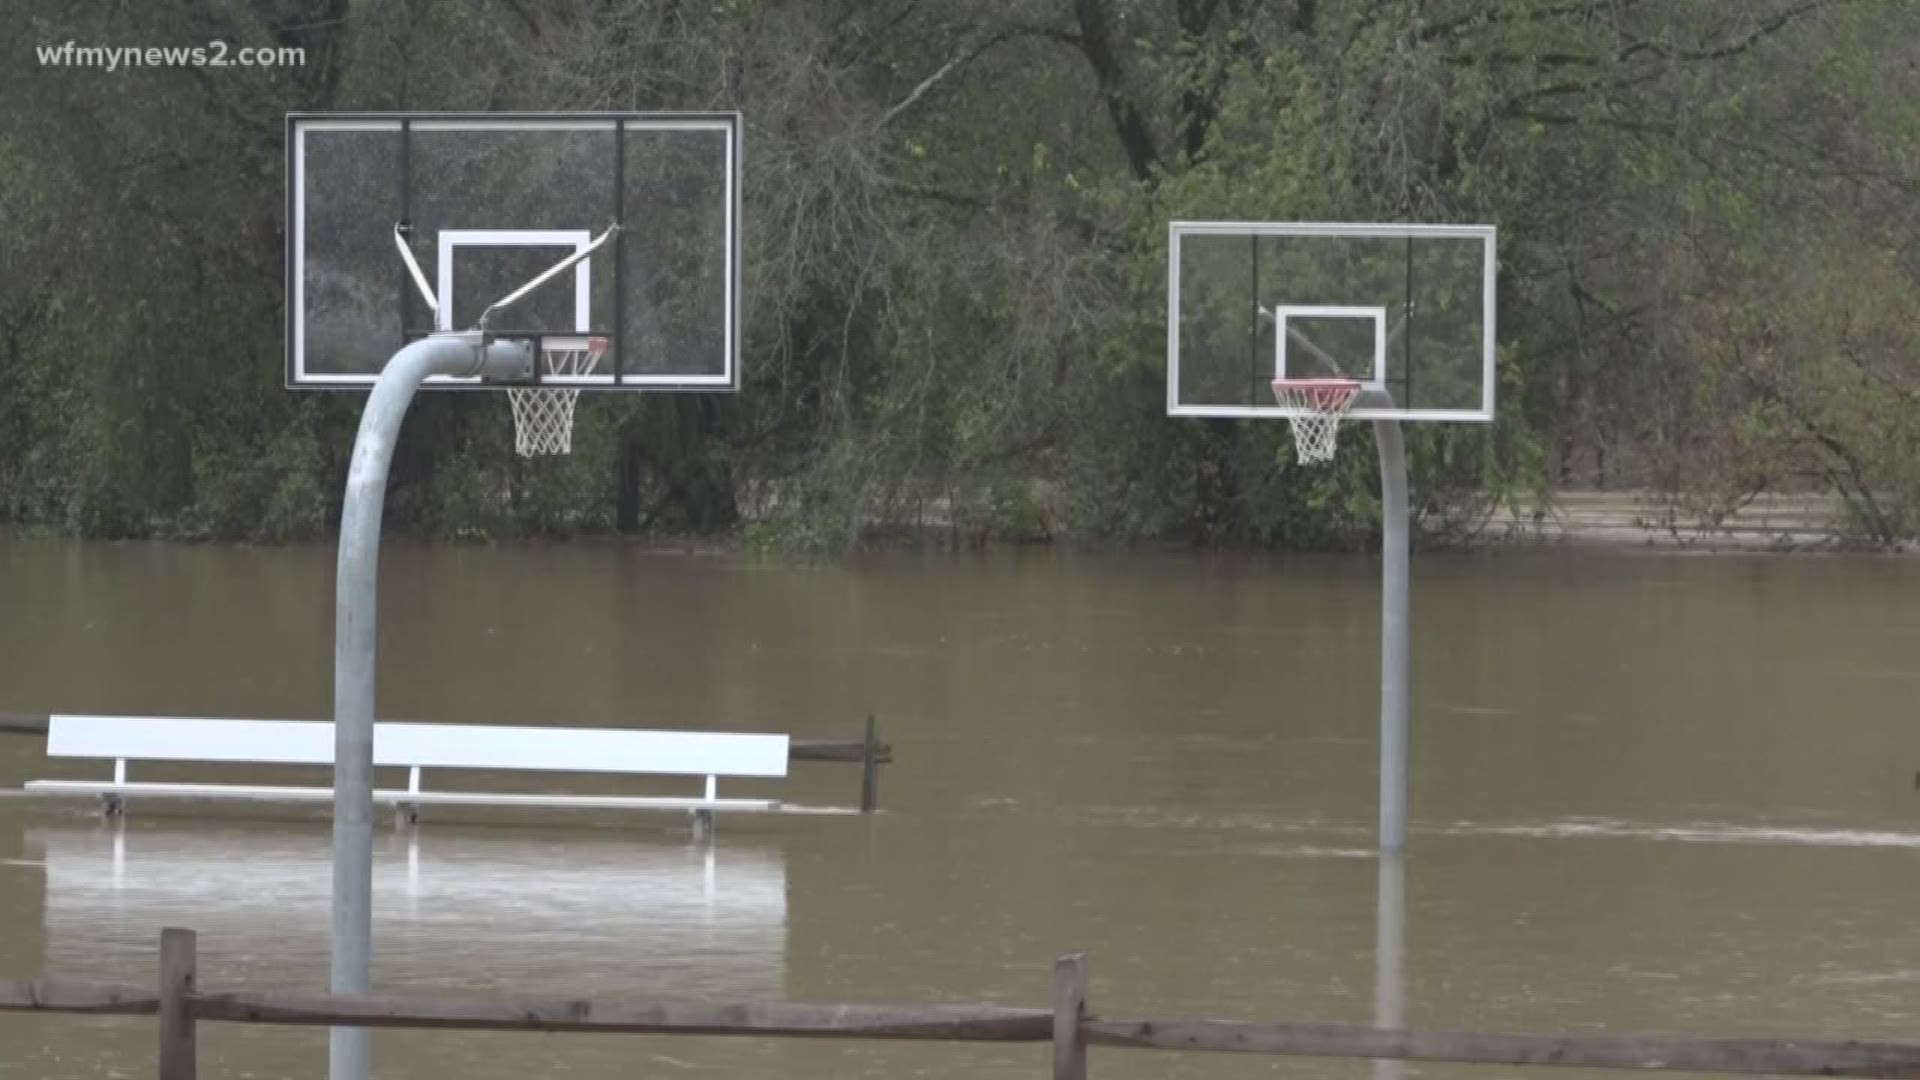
(1649, 792)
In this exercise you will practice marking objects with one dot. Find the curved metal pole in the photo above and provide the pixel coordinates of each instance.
(355, 610)
(1393, 635)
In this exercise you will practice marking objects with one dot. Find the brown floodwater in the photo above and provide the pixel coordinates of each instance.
(1649, 792)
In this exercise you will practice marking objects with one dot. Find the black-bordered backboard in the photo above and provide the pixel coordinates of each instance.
(484, 203)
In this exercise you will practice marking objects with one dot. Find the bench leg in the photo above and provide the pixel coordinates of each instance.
(405, 814)
(112, 806)
(702, 824)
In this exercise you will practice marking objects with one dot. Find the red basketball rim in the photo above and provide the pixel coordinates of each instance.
(1320, 393)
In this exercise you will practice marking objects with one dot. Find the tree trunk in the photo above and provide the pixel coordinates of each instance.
(626, 483)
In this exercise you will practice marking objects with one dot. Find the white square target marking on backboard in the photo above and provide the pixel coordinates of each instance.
(1284, 333)
(569, 239)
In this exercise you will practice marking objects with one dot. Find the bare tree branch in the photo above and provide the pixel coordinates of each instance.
(959, 60)
(1766, 29)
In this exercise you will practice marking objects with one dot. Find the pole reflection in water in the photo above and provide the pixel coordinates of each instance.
(531, 912)
(1389, 955)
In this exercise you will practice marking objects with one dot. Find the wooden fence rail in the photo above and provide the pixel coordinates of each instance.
(179, 1004)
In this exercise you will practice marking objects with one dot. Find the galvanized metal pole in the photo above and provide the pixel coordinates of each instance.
(1389, 956)
(355, 610)
(1394, 590)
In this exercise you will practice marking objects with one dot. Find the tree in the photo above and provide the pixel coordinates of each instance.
(954, 268)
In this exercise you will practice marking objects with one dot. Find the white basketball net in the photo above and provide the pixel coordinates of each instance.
(543, 415)
(1319, 405)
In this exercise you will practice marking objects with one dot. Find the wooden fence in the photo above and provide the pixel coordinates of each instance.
(180, 1004)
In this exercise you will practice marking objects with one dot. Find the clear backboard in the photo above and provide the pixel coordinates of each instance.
(485, 203)
(1404, 310)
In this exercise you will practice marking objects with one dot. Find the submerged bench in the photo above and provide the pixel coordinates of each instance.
(417, 748)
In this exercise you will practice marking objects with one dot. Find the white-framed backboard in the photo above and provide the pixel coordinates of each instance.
(1407, 310)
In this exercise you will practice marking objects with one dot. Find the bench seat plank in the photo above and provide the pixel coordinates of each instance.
(429, 746)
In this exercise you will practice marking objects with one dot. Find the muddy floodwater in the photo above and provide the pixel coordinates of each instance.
(1650, 792)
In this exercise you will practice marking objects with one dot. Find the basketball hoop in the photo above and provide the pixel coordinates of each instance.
(1319, 404)
(543, 415)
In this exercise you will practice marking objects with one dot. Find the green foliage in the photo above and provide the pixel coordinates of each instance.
(955, 261)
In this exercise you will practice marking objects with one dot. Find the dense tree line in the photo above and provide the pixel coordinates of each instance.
(956, 257)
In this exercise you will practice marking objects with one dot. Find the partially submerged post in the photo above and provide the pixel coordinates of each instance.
(870, 768)
(662, 313)
(356, 607)
(1389, 954)
(1319, 323)
(1069, 1010)
(179, 1055)
(1395, 616)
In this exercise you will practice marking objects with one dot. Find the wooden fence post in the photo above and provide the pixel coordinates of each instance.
(1069, 1008)
(177, 961)
(870, 769)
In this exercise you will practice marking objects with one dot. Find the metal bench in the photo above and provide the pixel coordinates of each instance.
(417, 748)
